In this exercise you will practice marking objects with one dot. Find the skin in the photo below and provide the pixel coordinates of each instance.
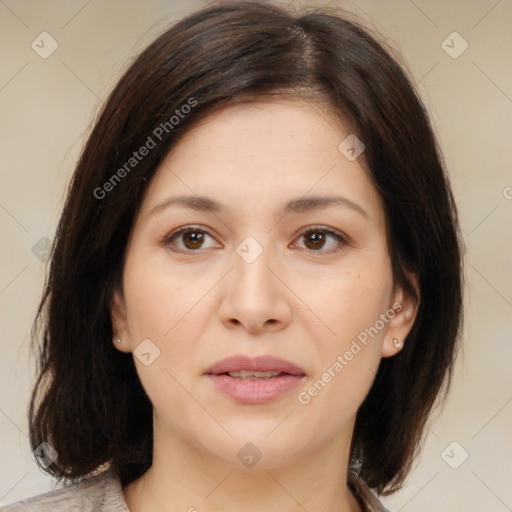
(302, 302)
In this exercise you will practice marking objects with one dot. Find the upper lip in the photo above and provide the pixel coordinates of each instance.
(264, 363)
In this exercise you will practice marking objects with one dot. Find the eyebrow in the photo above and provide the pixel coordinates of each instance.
(298, 205)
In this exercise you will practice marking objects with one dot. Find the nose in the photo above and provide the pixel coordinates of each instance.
(254, 298)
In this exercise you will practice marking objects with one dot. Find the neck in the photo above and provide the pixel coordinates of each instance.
(184, 478)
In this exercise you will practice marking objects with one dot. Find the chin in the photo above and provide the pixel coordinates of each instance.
(253, 447)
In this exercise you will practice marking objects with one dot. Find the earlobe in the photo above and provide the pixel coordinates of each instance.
(406, 309)
(120, 336)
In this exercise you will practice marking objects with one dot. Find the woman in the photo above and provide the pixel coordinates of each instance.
(254, 298)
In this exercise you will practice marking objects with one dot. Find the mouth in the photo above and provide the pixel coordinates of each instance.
(250, 375)
(255, 380)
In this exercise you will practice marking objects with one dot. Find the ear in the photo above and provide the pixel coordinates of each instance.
(119, 322)
(405, 309)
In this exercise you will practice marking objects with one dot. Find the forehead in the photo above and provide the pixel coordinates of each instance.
(274, 129)
(261, 154)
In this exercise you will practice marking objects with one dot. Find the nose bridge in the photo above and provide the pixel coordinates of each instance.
(253, 296)
(251, 273)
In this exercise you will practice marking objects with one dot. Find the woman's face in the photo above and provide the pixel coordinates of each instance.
(283, 255)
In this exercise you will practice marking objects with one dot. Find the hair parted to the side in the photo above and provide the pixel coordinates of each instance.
(88, 402)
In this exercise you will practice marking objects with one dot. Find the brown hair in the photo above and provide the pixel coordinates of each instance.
(88, 402)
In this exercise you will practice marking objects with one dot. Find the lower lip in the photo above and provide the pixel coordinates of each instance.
(256, 391)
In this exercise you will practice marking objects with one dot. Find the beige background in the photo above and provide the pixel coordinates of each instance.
(47, 104)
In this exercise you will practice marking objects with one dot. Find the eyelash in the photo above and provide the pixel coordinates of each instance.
(312, 229)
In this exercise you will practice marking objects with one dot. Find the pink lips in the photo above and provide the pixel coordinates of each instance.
(255, 391)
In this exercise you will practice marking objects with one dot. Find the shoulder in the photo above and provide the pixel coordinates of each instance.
(367, 499)
(98, 493)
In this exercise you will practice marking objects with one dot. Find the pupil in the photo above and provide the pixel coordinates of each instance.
(316, 240)
(194, 239)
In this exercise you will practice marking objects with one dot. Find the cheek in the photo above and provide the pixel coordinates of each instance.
(166, 308)
(348, 355)
(352, 300)
(160, 297)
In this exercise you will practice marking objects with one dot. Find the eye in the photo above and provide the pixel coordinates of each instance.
(189, 238)
(318, 239)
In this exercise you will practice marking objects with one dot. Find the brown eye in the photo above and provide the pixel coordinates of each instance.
(192, 239)
(314, 240)
(322, 240)
(188, 239)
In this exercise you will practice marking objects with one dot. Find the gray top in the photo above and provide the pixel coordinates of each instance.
(103, 493)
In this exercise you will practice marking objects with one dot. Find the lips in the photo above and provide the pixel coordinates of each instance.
(254, 364)
(255, 380)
